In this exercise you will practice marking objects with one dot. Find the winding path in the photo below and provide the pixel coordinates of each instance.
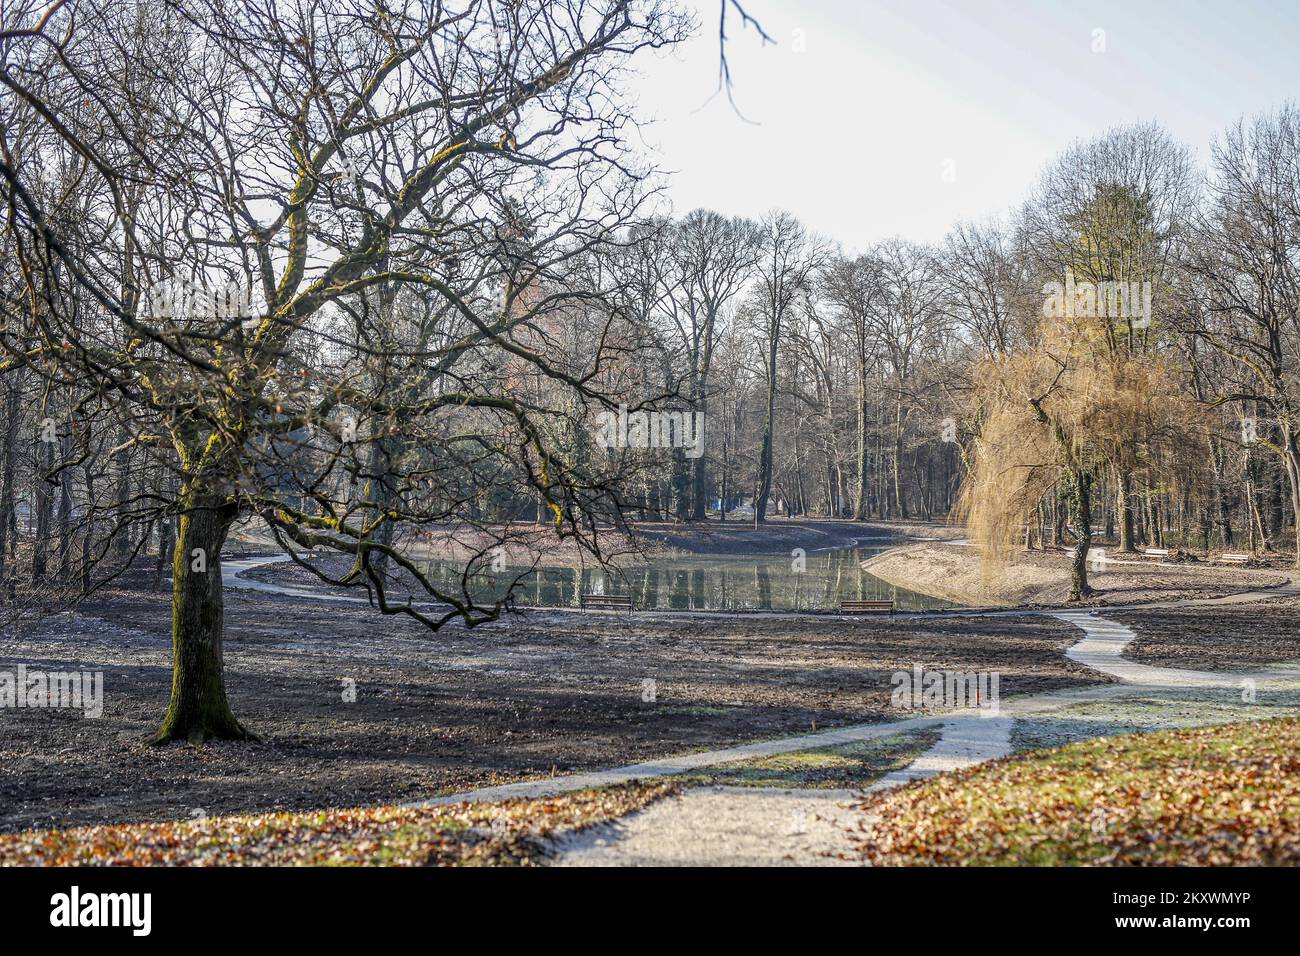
(1105, 641)
(740, 826)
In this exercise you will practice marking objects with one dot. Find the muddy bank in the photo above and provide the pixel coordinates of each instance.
(1038, 579)
(953, 573)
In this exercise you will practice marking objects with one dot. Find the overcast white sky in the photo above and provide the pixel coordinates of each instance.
(860, 106)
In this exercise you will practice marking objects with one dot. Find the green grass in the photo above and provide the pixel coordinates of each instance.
(844, 766)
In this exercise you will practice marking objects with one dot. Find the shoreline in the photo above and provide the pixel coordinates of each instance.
(924, 557)
(663, 542)
(1040, 579)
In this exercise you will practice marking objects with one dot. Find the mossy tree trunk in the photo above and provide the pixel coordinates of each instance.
(198, 709)
(1081, 519)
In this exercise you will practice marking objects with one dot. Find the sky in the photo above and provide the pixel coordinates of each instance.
(877, 118)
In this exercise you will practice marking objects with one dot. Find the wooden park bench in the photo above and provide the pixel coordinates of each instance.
(607, 602)
(1234, 558)
(866, 607)
(1160, 553)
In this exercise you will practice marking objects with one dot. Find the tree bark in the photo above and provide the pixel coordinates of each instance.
(699, 478)
(65, 507)
(44, 510)
(898, 460)
(1124, 503)
(765, 454)
(1291, 461)
(860, 506)
(198, 709)
(1220, 510)
(8, 470)
(122, 495)
(380, 493)
(1081, 518)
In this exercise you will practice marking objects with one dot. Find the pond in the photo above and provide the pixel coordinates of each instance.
(704, 582)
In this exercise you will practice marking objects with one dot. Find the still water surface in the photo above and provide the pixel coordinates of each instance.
(704, 582)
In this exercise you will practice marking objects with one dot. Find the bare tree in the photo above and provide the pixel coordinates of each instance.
(787, 259)
(909, 323)
(712, 259)
(317, 154)
(856, 289)
(1116, 211)
(1246, 267)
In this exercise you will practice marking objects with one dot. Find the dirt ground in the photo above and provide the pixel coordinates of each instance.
(541, 693)
(1039, 579)
(1216, 638)
(546, 693)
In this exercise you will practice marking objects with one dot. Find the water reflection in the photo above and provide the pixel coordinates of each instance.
(702, 582)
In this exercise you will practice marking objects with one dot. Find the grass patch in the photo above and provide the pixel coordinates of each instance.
(843, 766)
(1172, 710)
(1224, 795)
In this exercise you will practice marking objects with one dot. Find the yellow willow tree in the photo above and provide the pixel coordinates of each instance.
(1053, 415)
(1113, 214)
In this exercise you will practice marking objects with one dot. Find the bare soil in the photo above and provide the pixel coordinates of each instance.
(1216, 638)
(537, 694)
(519, 699)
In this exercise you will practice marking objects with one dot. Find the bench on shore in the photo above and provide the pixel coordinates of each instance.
(866, 607)
(1233, 558)
(607, 602)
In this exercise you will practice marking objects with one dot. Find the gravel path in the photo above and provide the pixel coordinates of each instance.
(964, 743)
(751, 826)
(1103, 648)
(722, 826)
